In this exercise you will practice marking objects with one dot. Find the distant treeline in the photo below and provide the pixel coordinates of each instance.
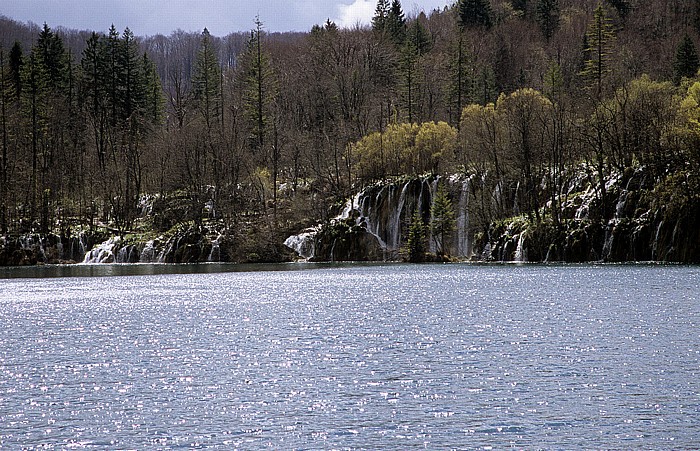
(516, 92)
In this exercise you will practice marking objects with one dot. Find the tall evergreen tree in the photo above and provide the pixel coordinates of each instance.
(93, 81)
(442, 219)
(35, 96)
(53, 57)
(474, 13)
(6, 96)
(206, 81)
(416, 238)
(130, 92)
(599, 38)
(16, 60)
(621, 6)
(396, 23)
(686, 63)
(547, 14)
(381, 13)
(520, 5)
(153, 91)
(419, 36)
(258, 90)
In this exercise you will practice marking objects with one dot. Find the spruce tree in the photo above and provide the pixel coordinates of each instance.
(16, 60)
(396, 23)
(474, 13)
(53, 57)
(520, 5)
(599, 39)
(686, 63)
(258, 90)
(379, 21)
(442, 221)
(206, 80)
(547, 14)
(416, 239)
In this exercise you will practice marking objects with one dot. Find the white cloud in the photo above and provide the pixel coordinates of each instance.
(360, 11)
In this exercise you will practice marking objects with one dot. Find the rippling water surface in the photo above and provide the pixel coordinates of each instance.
(360, 357)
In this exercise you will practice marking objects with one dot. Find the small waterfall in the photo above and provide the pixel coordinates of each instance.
(215, 253)
(103, 253)
(462, 246)
(383, 211)
(148, 254)
(520, 253)
(303, 244)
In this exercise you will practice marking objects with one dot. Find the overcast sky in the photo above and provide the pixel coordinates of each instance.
(221, 17)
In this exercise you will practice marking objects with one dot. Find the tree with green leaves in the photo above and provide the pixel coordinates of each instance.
(258, 91)
(381, 13)
(442, 219)
(5, 101)
(599, 39)
(686, 63)
(416, 242)
(474, 13)
(547, 15)
(206, 81)
(35, 106)
(520, 5)
(622, 7)
(15, 63)
(396, 23)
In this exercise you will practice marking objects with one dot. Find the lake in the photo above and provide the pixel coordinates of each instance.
(350, 357)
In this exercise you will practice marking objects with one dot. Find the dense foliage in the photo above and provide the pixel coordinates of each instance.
(273, 129)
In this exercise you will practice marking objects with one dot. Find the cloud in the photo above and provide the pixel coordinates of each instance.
(360, 11)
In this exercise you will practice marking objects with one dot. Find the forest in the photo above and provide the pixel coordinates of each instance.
(252, 137)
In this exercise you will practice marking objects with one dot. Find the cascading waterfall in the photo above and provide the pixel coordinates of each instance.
(462, 245)
(385, 211)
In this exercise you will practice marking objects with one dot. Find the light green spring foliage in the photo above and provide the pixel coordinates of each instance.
(404, 149)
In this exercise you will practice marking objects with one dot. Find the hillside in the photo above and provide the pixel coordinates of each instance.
(238, 142)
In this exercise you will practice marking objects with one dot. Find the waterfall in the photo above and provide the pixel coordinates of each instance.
(520, 254)
(462, 247)
(103, 253)
(148, 254)
(383, 212)
(215, 253)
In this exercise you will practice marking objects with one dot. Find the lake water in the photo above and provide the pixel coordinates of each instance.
(350, 357)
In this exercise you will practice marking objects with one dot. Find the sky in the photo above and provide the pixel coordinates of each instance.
(221, 17)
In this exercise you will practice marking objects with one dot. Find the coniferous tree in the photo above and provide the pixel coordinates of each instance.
(416, 238)
(686, 63)
(442, 219)
(396, 23)
(93, 83)
(381, 14)
(154, 101)
(53, 57)
(16, 60)
(34, 109)
(547, 14)
(419, 36)
(6, 96)
(258, 90)
(520, 5)
(474, 13)
(599, 40)
(621, 6)
(206, 81)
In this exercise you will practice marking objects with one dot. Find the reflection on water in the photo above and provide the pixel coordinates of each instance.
(360, 357)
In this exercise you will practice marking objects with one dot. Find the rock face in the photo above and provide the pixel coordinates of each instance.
(639, 226)
(374, 223)
(36, 249)
(640, 220)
